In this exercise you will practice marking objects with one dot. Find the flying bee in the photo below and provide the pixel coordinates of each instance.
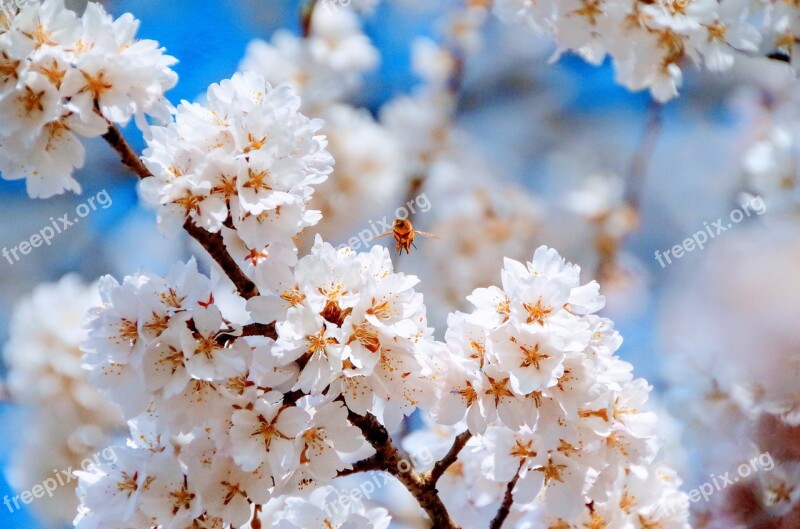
(403, 233)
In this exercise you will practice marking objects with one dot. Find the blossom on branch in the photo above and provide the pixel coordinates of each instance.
(64, 76)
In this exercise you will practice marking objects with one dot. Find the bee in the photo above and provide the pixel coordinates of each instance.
(404, 233)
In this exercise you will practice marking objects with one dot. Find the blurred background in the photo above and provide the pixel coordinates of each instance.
(538, 153)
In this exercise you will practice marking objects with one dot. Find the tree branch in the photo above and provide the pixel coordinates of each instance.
(452, 455)
(365, 465)
(260, 329)
(400, 466)
(215, 246)
(307, 16)
(212, 242)
(505, 507)
(251, 329)
(128, 156)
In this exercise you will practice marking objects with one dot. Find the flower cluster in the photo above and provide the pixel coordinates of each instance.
(67, 418)
(357, 326)
(769, 162)
(61, 77)
(650, 41)
(324, 67)
(316, 511)
(369, 173)
(255, 413)
(244, 407)
(532, 372)
(748, 402)
(503, 221)
(247, 160)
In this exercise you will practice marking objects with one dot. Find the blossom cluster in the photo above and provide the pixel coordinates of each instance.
(242, 407)
(315, 511)
(769, 162)
(748, 403)
(650, 41)
(247, 160)
(225, 414)
(67, 419)
(63, 76)
(254, 415)
(532, 372)
(325, 69)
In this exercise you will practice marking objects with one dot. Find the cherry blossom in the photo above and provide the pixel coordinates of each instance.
(65, 76)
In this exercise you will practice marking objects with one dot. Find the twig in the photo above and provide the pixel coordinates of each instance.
(255, 523)
(607, 244)
(505, 507)
(395, 462)
(212, 242)
(128, 156)
(365, 465)
(452, 455)
(307, 17)
(415, 186)
(215, 246)
(251, 329)
(260, 329)
(641, 158)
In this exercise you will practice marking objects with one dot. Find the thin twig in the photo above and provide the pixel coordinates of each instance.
(607, 244)
(128, 156)
(255, 523)
(307, 17)
(642, 156)
(365, 465)
(505, 507)
(212, 242)
(452, 455)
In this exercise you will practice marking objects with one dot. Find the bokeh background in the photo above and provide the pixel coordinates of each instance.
(543, 127)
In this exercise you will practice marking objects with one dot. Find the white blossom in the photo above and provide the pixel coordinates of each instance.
(64, 76)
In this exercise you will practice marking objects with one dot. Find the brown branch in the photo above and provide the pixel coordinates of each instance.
(365, 465)
(505, 507)
(400, 466)
(255, 523)
(128, 156)
(452, 455)
(211, 242)
(251, 329)
(260, 329)
(307, 17)
(215, 246)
